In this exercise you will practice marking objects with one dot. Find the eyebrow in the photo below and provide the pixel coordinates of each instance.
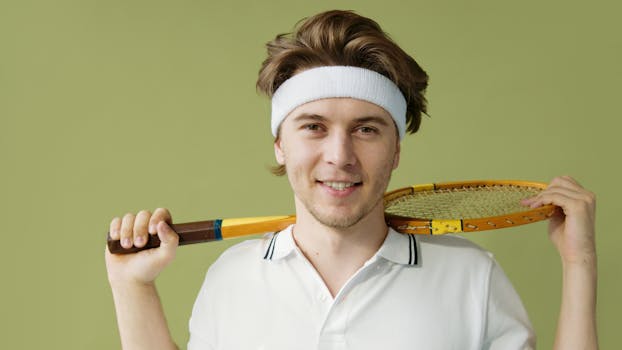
(367, 119)
(372, 119)
(308, 116)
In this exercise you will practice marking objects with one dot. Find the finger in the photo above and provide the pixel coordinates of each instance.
(169, 240)
(569, 192)
(160, 214)
(582, 193)
(115, 227)
(570, 179)
(127, 230)
(140, 228)
(555, 184)
(568, 203)
(566, 181)
(582, 196)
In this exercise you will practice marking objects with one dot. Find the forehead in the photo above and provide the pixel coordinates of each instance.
(340, 109)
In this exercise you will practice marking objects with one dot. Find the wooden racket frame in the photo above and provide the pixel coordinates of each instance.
(442, 226)
(215, 230)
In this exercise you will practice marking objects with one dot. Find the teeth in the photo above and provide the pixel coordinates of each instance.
(340, 186)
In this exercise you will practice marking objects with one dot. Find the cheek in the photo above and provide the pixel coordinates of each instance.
(293, 158)
(299, 160)
(380, 158)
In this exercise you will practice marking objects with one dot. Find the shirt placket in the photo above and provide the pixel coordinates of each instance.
(333, 332)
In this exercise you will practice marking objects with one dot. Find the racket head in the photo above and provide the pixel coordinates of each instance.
(465, 206)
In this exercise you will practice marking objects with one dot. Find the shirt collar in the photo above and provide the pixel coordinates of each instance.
(400, 248)
(397, 247)
(280, 245)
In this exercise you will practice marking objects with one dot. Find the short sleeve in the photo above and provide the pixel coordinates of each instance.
(199, 321)
(507, 323)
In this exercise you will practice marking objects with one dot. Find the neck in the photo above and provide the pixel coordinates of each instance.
(337, 253)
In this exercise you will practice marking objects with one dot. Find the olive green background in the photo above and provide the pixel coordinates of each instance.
(108, 107)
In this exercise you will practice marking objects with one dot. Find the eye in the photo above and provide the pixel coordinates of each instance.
(367, 130)
(313, 127)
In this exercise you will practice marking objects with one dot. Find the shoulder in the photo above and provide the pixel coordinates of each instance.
(455, 254)
(453, 245)
(241, 255)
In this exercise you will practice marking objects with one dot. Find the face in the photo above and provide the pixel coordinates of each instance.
(339, 154)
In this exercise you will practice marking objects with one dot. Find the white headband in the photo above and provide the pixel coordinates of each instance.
(338, 81)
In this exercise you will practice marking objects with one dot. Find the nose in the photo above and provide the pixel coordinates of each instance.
(339, 150)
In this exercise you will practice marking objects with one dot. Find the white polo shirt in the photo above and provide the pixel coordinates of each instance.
(423, 292)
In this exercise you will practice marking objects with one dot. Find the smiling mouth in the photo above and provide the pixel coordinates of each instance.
(340, 186)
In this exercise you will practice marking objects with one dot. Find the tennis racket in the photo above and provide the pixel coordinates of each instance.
(435, 209)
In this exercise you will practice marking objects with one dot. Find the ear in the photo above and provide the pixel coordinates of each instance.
(278, 152)
(396, 157)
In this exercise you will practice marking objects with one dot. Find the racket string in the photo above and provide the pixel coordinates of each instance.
(462, 202)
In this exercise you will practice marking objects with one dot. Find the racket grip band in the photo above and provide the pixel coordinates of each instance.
(189, 233)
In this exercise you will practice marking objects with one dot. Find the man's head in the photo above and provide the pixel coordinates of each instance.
(343, 94)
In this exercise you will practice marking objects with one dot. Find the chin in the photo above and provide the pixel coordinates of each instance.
(338, 221)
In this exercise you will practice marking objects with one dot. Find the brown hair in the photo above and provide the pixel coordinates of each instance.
(344, 38)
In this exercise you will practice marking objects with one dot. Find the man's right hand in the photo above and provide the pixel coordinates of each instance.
(142, 267)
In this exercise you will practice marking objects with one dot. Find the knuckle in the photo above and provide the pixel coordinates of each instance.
(585, 206)
(552, 186)
(127, 224)
(174, 238)
(115, 223)
(162, 211)
(125, 232)
(140, 228)
(591, 201)
(144, 213)
(592, 196)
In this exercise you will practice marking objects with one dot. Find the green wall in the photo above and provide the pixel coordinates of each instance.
(113, 106)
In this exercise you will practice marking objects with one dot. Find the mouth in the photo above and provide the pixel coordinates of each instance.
(340, 185)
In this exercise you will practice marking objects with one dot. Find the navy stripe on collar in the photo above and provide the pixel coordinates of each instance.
(401, 248)
(270, 250)
(412, 250)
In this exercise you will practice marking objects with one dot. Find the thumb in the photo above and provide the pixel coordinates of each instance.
(169, 240)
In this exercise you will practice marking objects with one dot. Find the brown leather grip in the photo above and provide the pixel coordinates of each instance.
(189, 233)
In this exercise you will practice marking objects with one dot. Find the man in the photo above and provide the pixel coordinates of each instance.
(343, 95)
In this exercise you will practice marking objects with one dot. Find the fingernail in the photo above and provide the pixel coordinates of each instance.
(126, 243)
(139, 240)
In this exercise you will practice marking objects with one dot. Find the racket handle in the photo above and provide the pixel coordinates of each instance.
(189, 233)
